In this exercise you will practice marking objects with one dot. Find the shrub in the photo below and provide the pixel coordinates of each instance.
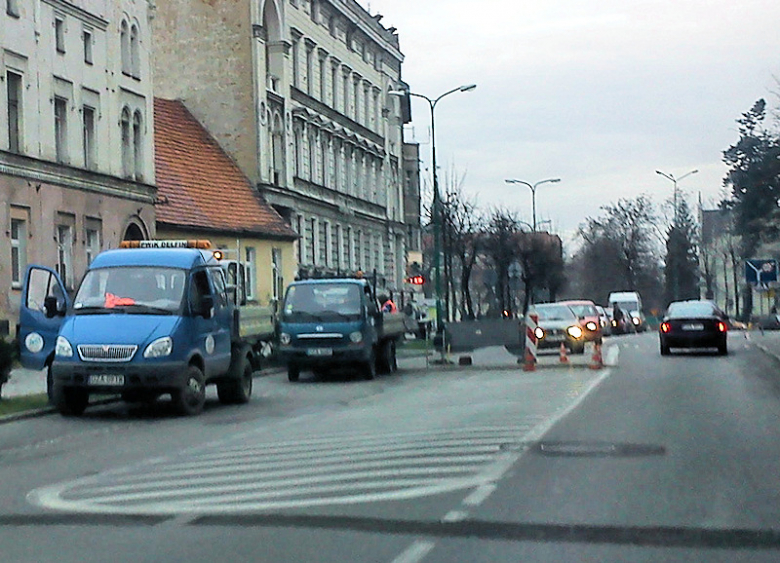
(7, 358)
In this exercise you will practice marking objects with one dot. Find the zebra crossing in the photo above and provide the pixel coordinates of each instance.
(477, 432)
(343, 469)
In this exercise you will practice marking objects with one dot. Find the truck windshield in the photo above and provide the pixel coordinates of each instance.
(321, 302)
(142, 289)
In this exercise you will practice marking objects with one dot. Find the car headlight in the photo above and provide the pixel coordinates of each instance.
(356, 337)
(159, 348)
(590, 325)
(284, 339)
(574, 331)
(635, 320)
(539, 333)
(63, 348)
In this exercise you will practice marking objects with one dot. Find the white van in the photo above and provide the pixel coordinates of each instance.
(631, 302)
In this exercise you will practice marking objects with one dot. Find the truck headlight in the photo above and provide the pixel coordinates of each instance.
(356, 337)
(574, 331)
(63, 348)
(539, 333)
(159, 348)
(285, 339)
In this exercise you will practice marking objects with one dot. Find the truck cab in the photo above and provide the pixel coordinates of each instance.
(146, 320)
(327, 323)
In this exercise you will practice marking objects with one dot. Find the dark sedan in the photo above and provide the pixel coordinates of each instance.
(693, 324)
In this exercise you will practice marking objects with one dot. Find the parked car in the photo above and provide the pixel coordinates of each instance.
(604, 321)
(693, 324)
(589, 318)
(768, 322)
(558, 324)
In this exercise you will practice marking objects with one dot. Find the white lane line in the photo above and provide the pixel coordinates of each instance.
(455, 516)
(415, 552)
(479, 495)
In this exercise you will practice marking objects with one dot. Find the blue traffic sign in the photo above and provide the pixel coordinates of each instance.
(761, 271)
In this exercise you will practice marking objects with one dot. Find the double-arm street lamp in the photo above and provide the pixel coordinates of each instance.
(436, 205)
(533, 193)
(674, 181)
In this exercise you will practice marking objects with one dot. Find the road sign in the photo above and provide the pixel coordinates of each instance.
(761, 271)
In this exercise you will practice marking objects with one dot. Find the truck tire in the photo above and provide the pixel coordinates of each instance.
(369, 367)
(69, 401)
(236, 388)
(293, 373)
(190, 398)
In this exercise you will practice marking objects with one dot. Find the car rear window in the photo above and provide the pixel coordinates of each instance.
(683, 310)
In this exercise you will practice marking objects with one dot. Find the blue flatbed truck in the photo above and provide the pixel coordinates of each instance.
(149, 319)
(336, 323)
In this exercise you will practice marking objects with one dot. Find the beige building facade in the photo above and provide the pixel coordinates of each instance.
(297, 92)
(76, 134)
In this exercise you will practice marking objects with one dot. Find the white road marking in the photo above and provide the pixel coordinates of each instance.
(455, 516)
(478, 496)
(415, 552)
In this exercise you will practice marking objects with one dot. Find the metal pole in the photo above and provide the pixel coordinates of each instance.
(436, 223)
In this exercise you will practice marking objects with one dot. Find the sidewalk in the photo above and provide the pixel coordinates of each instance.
(768, 341)
(25, 382)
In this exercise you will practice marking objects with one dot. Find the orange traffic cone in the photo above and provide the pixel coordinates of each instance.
(563, 358)
(596, 361)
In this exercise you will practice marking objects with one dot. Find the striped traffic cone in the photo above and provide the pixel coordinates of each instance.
(563, 358)
(596, 361)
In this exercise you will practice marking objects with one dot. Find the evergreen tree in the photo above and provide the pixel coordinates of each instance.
(682, 259)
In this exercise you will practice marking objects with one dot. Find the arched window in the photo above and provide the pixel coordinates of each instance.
(138, 160)
(124, 33)
(135, 55)
(127, 146)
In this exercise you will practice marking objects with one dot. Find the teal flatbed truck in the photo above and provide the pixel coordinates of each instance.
(335, 323)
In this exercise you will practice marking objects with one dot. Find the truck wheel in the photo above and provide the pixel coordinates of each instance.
(190, 398)
(388, 362)
(293, 372)
(369, 368)
(70, 402)
(393, 358)
(236, 388)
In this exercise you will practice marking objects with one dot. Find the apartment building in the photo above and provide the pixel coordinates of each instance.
(76, 134)
(298, 93)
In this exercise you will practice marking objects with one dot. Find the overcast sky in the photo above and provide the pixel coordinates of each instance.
(598, 93)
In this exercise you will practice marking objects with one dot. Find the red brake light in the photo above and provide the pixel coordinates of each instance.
(665, 327)
(722, 326)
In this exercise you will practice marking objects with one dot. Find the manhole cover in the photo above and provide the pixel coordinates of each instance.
(596, 449)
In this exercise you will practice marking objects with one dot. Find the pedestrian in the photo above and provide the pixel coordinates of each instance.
(389, 306)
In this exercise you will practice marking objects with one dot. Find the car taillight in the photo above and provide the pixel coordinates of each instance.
(665, 327)
(722, 326)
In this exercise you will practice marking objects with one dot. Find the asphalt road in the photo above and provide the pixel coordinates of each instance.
(655, 459)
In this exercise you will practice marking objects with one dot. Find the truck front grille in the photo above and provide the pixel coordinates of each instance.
(107, 352)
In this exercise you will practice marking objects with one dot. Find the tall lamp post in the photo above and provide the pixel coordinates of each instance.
(533, 193)
(436, 205)
(673, 180)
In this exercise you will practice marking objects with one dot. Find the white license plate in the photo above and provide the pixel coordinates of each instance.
(116, 380)
(554, 338)
(694, 326)
(319, 352)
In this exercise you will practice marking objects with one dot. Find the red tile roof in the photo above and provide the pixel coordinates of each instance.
(200, 185)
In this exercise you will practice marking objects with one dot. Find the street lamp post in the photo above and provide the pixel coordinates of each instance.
(673, 180)
(436, 204)
(533, 193)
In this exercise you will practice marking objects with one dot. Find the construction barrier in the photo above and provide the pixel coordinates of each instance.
(531, 322)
